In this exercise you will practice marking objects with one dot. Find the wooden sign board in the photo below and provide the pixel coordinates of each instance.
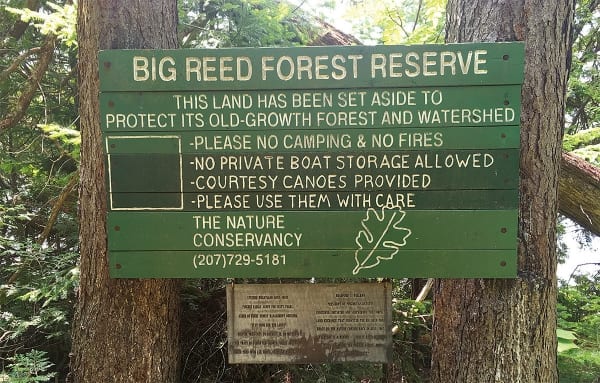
(384, 161)
(309, 323)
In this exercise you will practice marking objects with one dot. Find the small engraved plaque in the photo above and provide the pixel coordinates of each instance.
(309, 323)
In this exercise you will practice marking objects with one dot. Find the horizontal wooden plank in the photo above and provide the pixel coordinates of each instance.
(298, 172)
(334, 230)
(311, 67)
(309, 264)
(329, 141)
(144, 143)
(310, 109)
(306, 201)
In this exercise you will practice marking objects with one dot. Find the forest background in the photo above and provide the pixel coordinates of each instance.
(39, 157)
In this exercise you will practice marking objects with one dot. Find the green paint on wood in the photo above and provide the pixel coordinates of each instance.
(328, 141)
(307, 201)
(308, 264)
(292, 173)
(311, 67)
(144, 143)
(310, 109)
(302, 230)
(387, 161)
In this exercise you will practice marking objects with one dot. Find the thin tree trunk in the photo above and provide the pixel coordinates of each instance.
(579, 192)
(124, 330)
(505, 330)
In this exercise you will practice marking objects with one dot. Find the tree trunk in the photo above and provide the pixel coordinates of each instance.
(505, 330)
(124, 330)
(579, 192)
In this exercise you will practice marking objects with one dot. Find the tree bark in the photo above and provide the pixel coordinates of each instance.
(505, 330)
(579, 185)
(579, 192)
(124, 330)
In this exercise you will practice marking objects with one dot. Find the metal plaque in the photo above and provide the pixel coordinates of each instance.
(309, 323)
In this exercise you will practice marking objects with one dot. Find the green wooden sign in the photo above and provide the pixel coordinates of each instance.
(385, 161)
(326, 140)
(333, 109)
(346, 67)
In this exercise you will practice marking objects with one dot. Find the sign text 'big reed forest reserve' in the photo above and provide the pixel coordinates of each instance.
(361, 161)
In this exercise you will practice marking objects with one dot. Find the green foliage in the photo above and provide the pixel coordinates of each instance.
(10, 219)
(585, 144)
(566, 340)
(240, 23)
(399, 21)
(59, 21)
(579, 330)
(581, 139)
(38, 161)
(578, 309)
(583, 96)
(36, 298)
(589, 153)
(579, 303)
(29, 368)
(561, 246)
(579, 366)
(412, 332)
(67, 138)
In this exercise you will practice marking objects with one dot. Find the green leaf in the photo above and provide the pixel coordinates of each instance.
(61, 21)
(581, 139)
(565, 340)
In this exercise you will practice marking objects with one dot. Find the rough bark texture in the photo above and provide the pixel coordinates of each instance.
(124, 330)
(330, 35)
(505, 330)
(579, 192)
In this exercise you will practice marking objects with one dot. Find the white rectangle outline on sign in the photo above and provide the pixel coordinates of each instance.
(145, 208)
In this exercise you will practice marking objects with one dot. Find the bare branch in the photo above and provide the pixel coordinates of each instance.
(398, 23)
(22, 57)
(425, 290)
(57, 207)
(417, 16)
(20, 108)
(578, 266)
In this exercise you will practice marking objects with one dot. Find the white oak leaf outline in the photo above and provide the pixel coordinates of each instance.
(381, 231)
